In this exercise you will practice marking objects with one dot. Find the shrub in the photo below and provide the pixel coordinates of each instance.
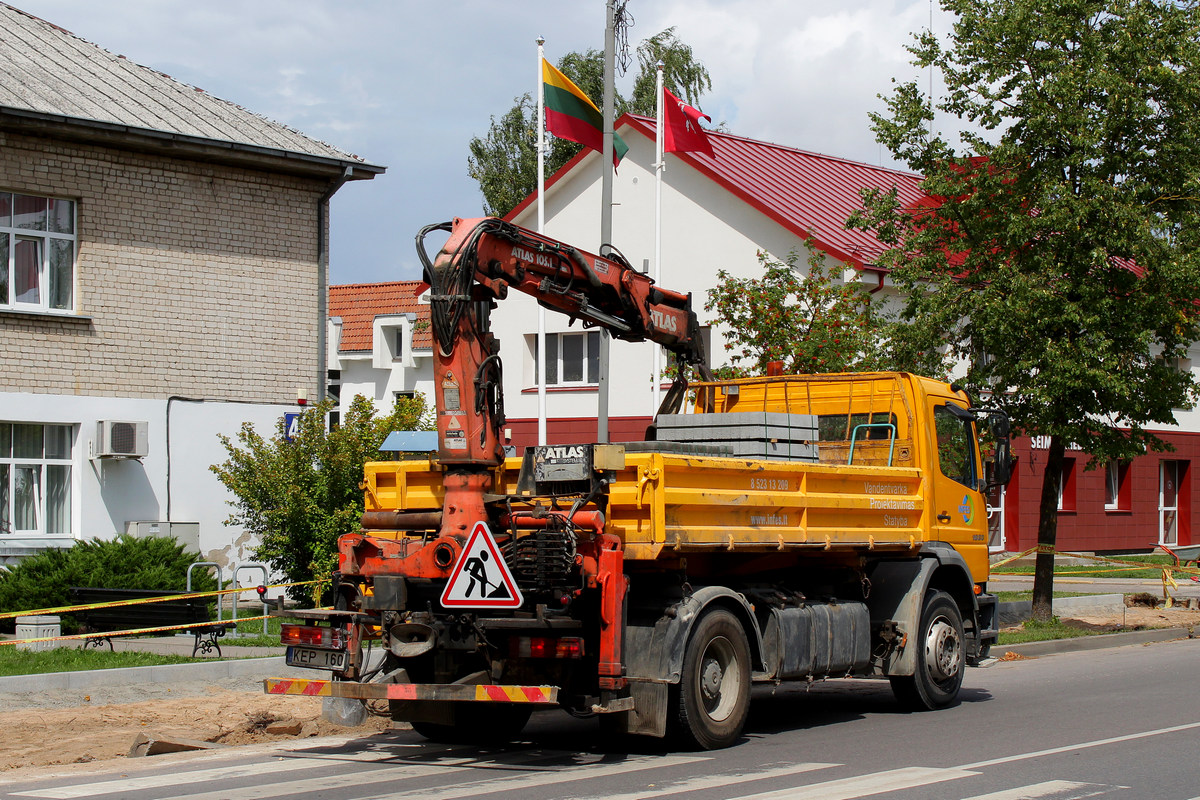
(43, 581)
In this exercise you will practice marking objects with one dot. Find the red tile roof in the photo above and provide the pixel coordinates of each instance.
(359, 303)
(807, 193)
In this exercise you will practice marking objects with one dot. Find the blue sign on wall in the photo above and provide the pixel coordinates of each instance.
(291, 425)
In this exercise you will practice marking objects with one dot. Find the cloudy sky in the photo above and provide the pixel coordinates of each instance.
(407, 83)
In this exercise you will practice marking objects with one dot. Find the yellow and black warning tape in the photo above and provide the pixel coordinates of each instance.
(1169, 571)
(132, 632)
(145, 600)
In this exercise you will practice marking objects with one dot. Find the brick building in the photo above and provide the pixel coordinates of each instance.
(163, 279)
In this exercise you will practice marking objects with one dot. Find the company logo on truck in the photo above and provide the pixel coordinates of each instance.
(967, 509)
(663, 321)
(540, 259)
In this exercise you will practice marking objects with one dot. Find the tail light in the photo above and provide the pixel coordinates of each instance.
(313, 636)
(546, 647)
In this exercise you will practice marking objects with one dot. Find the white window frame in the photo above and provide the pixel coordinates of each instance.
(10, 235)
(591, 338)
(995, 515)
(1163, 507)
(392, 341)
(10, 463)
(1120, 470)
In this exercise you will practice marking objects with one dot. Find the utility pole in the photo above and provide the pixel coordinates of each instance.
(606, 189)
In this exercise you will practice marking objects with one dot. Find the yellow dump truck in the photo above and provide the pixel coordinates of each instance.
(785, 528)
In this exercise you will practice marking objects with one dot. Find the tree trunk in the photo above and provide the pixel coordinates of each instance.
(1043, 572)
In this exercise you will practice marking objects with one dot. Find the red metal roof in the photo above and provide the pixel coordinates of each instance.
(807, 193)
(358, 304)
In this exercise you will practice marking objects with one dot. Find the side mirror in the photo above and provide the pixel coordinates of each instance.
(1000, 466)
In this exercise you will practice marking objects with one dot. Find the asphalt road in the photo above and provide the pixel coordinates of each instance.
(1119, 723)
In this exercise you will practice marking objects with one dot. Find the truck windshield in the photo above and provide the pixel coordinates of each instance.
(956, 446)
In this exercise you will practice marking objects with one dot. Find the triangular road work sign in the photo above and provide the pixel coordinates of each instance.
(481, 578)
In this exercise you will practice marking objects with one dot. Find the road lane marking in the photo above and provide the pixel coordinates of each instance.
(714, 781)
(1059, 790)
(1129, 737)
(893, 780)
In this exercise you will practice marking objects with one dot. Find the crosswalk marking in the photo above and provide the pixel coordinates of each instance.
(169, 779)
(711, 782)
(359, 780)
(1058, 790)
(194, 778)
(893, 780)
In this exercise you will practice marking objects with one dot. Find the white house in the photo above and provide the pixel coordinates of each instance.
(717, 213)
(380, 345)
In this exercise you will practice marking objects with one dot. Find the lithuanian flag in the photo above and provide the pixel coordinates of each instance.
(571, 115)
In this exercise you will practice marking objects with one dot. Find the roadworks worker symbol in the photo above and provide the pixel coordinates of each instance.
(481, 578)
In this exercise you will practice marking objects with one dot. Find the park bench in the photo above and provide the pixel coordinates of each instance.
(189, 611)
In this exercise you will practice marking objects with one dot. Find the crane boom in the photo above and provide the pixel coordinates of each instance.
(480, 263)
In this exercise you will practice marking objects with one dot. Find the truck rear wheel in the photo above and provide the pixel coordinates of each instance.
(712, 699)
(941, 657)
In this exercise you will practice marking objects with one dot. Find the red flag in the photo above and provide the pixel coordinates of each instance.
(681, 128)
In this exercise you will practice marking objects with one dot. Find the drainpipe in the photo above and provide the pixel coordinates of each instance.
(323, 279)
(880, 275)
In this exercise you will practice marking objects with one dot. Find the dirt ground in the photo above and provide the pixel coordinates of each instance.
(72, 728)
(76, 728)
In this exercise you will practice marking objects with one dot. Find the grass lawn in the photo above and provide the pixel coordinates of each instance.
(1010, 597)
(1034, 631)
(72, 659)
(250, 633)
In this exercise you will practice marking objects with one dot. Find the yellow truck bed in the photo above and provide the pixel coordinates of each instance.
(688, 503)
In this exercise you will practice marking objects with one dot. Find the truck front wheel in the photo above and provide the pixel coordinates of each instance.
(712, 699)
(941, 657)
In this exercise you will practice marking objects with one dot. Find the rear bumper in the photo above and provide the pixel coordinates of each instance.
(450, 692)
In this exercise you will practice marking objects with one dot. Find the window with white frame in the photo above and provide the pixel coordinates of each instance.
(35, 478)
(1116, 485)
(572, 359)
(37, 252)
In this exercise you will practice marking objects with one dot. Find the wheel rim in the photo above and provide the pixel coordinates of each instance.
(943, 650)
(719, 678)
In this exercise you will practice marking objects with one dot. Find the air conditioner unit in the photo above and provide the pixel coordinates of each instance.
(120, 439)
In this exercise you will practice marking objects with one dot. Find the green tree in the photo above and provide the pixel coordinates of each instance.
(298, 497)
(683, 75)
(1060, 252)
(504, 160)
(813, 323)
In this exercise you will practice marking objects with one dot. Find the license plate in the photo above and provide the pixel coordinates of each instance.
(316, 658)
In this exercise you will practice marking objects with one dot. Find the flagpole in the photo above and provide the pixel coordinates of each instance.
(659, 166)
(541, 224)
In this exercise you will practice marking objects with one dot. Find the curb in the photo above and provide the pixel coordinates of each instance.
(1101, 642)
(167, 673)
(1014, 611)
